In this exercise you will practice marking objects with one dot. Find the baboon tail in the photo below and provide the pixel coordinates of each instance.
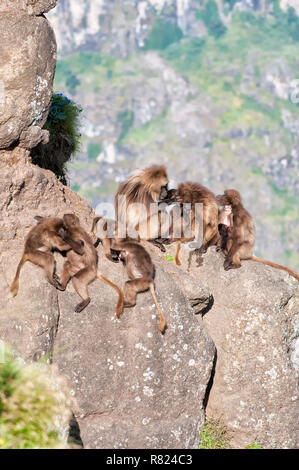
(162, 321)
(94, 222)
(177, 258)
(277, 266)
(14, 288)
(120, 303)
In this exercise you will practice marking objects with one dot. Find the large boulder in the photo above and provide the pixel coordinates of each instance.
(254, 324)
(134, 387)
(28, 59)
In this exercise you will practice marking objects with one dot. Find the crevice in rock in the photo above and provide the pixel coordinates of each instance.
(210, 383)
(74, 436)
(13, 145)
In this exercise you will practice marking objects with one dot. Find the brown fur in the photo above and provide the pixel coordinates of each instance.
(193, 193)
(242, 238)
(225, 224)
(139, 266)
(39, 242)
(146, 187)
(83, 269)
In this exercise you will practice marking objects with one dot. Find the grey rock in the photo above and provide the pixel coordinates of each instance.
(254, 324)
(134, 388)
(28, 57)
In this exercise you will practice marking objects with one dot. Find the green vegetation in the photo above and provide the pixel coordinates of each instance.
(163, 34)
(126, 119)
(214, 435)
(149, 132)
(185, 53)
(69, 70)
(30, 405)
(228, 72)
(231, 3)
(210, 16)
(63, 125)
(93, 150)
(217, 66)
(286, 21)
(254, 445)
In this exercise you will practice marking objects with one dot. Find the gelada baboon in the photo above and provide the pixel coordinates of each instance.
(83, 269)
(242, 237)
(224, 228)
(133, 200)
(40, 241)
(194, 193)
(139, 266)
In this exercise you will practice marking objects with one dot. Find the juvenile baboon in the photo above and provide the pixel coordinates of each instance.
(242, 237)
(83, 269)
(134, 198)
(40, 241)
(139, 266)
(224, 228)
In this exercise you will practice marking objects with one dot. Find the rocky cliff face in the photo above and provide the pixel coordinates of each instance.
(119, 28)
(135, 388)
(92, 25)
(28, 57)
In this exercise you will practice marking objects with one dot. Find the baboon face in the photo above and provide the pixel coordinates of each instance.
(159, 181)
(171, 196)
(233, 196)
(163, 192)
(222, 200)
(71, 220)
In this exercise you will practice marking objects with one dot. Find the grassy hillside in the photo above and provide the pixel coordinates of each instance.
(216, 109)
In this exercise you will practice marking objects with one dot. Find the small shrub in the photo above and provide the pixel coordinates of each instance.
(214, 435)
(34, 406)
(63, 126)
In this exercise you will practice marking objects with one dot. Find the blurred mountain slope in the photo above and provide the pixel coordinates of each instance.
(208, 89)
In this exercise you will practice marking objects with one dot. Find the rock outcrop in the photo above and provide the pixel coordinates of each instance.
(28, 59)
(254, 324)
(134, 387)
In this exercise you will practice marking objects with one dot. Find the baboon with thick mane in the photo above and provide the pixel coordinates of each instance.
(39, 242)
(242, 237)
(134, 198)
